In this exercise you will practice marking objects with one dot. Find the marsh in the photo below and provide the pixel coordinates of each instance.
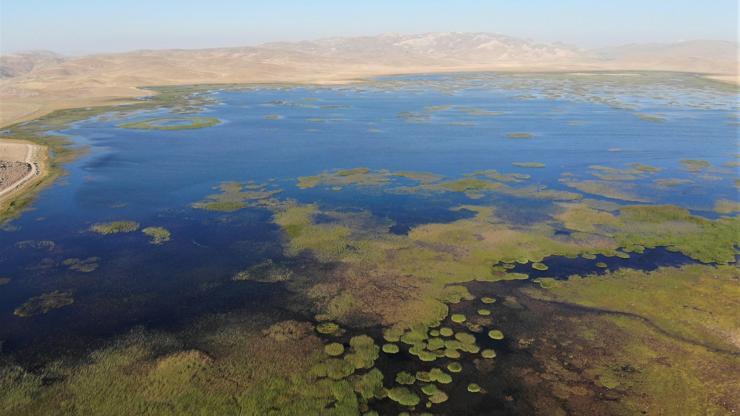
(438, 243)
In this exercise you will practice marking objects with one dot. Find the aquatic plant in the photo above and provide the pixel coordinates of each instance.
(327, 328)
(601, 265)
(694, 165)
(520, 135)
(172, 123)
(495, 334)
(235, 196)
(474, 388)
(362, 352)
(539, 266)
(488, 353)
(403, 396)
(484, 312)
(369, 385)
(87, 265)
(405, 378)
(457, 318)
(44, 303)
(454, 367)
(465, 338)
(115, 227)
(529, 164)
(439, 376)
(390, 348)
(334, 368)
(725, 206)
(265, 272)
(159, 235)
(446, 332)
(487, 300)
(334, 349)
(693, 301)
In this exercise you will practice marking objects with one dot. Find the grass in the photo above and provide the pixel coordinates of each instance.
(692, 302)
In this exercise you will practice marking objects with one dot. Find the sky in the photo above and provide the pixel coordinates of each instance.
(76, 27)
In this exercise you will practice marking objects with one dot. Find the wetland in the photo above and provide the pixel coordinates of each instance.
(449, 244)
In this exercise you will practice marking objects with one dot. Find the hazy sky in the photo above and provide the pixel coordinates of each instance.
(84, 26)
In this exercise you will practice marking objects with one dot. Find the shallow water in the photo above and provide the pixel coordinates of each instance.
(458, 125)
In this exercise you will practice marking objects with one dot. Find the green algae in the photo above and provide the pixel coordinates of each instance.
(390, 349)
(161, 123)
(653, 118)
(601, 265)
(334, 349)
(87, 265)
(333, 368)
(44, 303)
(115, 227)
(159, 235)
(495, 334)
(484, 312)
(403, 396)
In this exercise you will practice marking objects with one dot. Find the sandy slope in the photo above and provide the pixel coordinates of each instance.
(49, 83)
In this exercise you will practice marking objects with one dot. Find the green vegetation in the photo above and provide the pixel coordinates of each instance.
(454, 367)
(327, 328)
(362, 352)
(692, 302)
(172, 123)
(44, 303)
(266, 272)
(115, 227)
(457, 318)
(488, 300)
(652, 118)
(334, 349)
(390, 348)
(403, 396)
(495, 334)
(159, 235)
(474, 388)
(405, 378)
(488, 354)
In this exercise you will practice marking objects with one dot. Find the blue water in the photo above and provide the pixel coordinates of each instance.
(153, 177)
